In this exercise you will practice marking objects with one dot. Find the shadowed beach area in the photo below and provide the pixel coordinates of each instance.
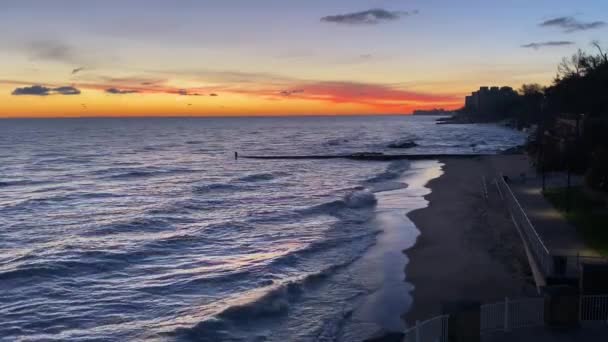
(468, 249)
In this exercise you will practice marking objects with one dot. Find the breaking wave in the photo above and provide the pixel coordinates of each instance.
(393, 171)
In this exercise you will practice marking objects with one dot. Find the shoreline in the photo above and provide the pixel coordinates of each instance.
(384, 261)
(468, 249)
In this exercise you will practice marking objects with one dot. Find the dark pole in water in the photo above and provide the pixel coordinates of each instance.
(236, 155)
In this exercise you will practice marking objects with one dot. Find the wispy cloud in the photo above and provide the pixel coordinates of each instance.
(369, 17)
(571, 24)
(52, 50)
(116, 91)
(539, 45)
(187, 92)
(291, 92)
(68, 90)
(77, 70)
(39, 90)
(368, 93)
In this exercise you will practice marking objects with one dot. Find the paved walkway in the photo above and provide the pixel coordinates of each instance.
(559, 236)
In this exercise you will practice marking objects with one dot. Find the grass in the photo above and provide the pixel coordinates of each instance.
(589, 216)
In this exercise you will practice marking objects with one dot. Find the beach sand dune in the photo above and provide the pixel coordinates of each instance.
(468, 249)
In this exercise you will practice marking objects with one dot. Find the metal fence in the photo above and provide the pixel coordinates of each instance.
(540, 252)
(432, 330)
(508, 315)
(594, 308)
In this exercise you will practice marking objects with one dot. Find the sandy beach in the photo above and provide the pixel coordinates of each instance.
(468, 249)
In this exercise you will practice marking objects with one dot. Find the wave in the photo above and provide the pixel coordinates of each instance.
(139, 224)
(360, 199)
(65, 160)
(6, 184)
(336, 141)
(340, 246)
(394, 170)
(259, 177)
(201, 189)
(146, 173)
(351, 206)
(317, 247)
(33, 203)
(189, 281)
(60, 268)
(270, 301)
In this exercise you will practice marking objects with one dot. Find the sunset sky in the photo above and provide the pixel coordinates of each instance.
(270, 57)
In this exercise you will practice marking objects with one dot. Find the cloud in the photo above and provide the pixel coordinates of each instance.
(51, 50)
(33, 90)
(66, 91)
(539, 45)
(369, 17)
(383, 97)
(117, 91)
(571, 24)
(355, 92)
(38, 90)
(77, 70)
(186, 92)
(291, 92)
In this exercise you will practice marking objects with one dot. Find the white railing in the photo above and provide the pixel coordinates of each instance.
(527, 313)
(508, 315)
(492, 318)
(594, 308)
(532, 239)
(432, 330)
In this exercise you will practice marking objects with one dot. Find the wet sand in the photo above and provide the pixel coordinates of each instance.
(468, 249)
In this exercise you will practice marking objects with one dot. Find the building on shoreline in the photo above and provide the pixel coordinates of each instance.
(490, 102)
(436, 111)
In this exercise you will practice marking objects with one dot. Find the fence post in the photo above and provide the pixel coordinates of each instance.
(507, 322)
(580, 308)
(418, 337)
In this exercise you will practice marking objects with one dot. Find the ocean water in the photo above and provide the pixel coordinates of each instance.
(148, 229)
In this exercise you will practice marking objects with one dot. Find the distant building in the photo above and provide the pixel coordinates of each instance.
(489, 101)
(436, 111)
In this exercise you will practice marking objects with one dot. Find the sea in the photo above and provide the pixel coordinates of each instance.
(148, 229)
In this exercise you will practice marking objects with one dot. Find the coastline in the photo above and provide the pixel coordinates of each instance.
(383, 264)
(468, 249)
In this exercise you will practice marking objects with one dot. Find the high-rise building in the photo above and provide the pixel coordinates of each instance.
(489, 101)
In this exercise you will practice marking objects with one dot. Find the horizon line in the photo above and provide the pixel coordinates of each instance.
(169, 116)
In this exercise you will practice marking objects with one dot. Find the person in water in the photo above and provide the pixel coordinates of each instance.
(236, 155)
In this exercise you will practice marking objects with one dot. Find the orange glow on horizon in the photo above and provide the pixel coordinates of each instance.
(317, 99)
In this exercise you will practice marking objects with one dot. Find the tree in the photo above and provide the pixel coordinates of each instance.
(529, 108)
